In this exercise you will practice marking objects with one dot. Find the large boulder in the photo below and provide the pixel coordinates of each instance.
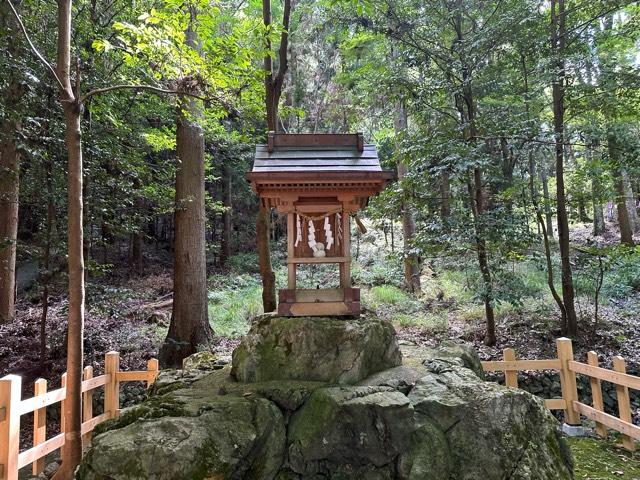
(332, 350)
(433, 418)
(492, 432)
(189, 434)
(354, 426)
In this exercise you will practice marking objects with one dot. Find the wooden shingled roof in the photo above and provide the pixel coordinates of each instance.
(323, 164)
(316, 153)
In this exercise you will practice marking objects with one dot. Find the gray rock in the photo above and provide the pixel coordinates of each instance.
(492, 432)
(429, 456)
(349, 426)
(188, 435)
(449, 352)
(401, 378)
(328, 350)
(201, 361)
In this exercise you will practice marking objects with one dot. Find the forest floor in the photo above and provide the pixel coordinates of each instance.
(131, 314)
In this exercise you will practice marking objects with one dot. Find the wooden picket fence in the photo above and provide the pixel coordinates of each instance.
(567, 368)
(12, 407)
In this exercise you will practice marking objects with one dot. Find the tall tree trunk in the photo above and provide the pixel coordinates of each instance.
(598, 212)
(46, 262)
(225, 247)
(466, 106)
(189, 330)
(9, 186)
(624, 219)
(264, 260)
(72, 449)
(411, 260)
(9, 171)
(630, 197)
(558, 33)
(273, 89)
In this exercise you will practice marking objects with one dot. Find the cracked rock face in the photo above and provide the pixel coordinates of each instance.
(434, 419)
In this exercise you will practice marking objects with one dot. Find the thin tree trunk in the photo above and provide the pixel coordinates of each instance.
(225, 244)
(558, 33)
(598, 213)
(599, 226)
(264, 260)
(189, 330)
(624, 220)
(634, 221)
(411, 260)
(9, 173)
(9, 186)
(445, 198)
(547, 201)
(273, 89)
(46, 264)
(466, 106)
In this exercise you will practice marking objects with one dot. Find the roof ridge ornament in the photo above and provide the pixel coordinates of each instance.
(320, 140)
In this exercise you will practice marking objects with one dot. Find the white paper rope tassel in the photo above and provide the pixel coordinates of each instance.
(312, 236)
(298, 230)
(328, 233)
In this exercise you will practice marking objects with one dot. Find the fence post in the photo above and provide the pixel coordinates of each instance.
(112, 387)
(10, 392)
(87, 403)
(624, 404)
(596, 393)
(39, 424)
(567, 380)
(152, 368)
(510, 376)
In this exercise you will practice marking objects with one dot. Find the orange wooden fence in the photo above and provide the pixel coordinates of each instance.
(12, 407)
(567, 368)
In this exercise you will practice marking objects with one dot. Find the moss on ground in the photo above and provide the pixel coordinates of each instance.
(596, 459)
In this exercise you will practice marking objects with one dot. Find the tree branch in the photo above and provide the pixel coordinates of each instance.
(149, 88)
(35, 51)
(283, 61)
(157, 90)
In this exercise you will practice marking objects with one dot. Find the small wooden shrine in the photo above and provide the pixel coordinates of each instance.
(317, 181)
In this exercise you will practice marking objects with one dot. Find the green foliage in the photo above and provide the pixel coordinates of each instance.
(387, 294)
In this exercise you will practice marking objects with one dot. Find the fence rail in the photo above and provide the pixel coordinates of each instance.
(12, 407)
(567, 369)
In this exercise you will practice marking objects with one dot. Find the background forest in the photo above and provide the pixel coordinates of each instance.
(513, 127)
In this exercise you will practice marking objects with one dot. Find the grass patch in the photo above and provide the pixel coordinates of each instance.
(386, 295)
(436, 322)
(596, 459)
(233, 301)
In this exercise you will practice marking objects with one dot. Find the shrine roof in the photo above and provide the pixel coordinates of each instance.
(316, 159)
(310, 153)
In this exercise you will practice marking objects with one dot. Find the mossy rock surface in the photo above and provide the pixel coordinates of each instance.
(432, 419)
(332, 350)
(224, 437)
